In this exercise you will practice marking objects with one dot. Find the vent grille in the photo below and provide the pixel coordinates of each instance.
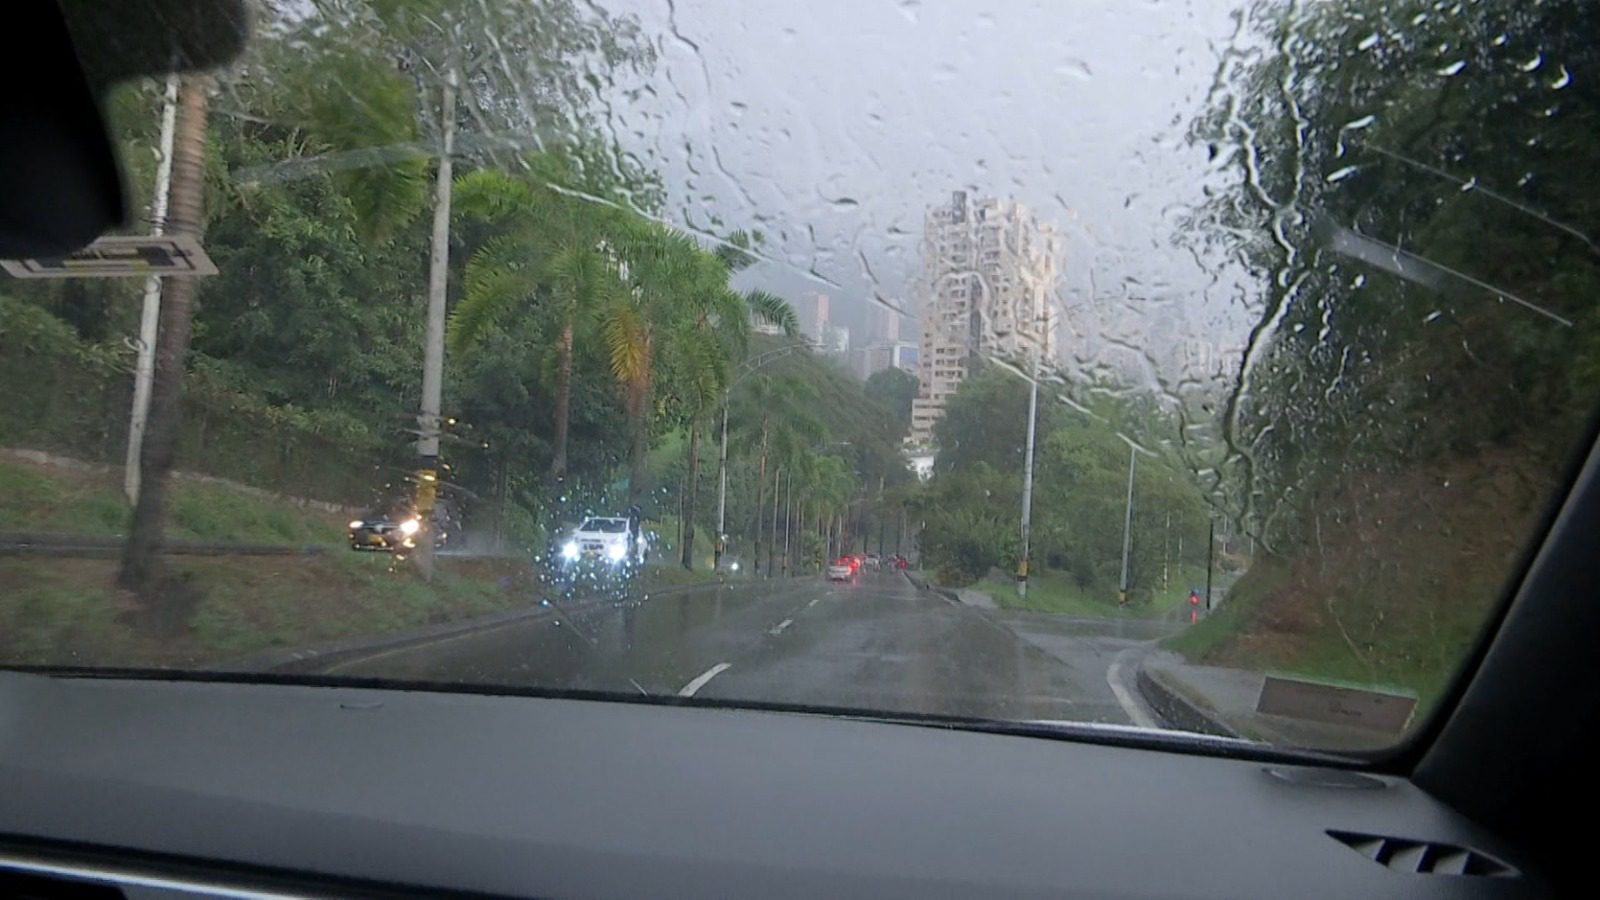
(1423, 857)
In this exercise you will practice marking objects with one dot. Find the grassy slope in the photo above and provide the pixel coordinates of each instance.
(47, 498)
(64, 611)
(1395, 599)
(1056, 592)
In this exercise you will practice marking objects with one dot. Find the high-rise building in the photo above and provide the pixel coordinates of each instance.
(989, 276)
(882, 355)
(814, 315)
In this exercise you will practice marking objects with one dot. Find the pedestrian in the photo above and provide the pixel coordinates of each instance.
(635, 517)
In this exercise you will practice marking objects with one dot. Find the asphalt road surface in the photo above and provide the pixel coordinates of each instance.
(875, 644)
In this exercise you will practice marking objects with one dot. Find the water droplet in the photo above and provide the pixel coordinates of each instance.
(1562, 80)
(1341, 174)
(1454, 68)
(1536, 62)
(1368, 42)
(1076, 68)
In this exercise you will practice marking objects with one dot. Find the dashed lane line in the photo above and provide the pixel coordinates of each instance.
(700, 680)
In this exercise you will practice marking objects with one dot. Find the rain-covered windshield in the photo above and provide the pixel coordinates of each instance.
(1204, 365)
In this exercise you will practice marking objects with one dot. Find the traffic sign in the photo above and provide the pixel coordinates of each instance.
(121, 256)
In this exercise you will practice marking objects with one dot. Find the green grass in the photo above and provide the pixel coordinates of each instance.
(1057, 592)
(1201, 640)
(65, 611)
(1403, 657)
(39, 498)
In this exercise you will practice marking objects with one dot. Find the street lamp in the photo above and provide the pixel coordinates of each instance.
(1127, 528)
(1027, 484)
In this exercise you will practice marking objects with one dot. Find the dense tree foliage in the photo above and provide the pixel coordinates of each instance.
(970, 511)
(1416, 190)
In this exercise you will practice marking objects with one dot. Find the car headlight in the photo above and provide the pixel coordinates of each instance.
(617, 552)
(734, 567)
(357, 523)
(410, 527)
(569, 550)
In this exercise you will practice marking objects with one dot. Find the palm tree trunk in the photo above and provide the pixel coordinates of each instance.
(761, 500)
(691, 494)
(141, 569)
(641, 439)
(558, 459)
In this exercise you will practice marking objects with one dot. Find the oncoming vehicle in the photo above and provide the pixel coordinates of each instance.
(395, 528)
(609, 541)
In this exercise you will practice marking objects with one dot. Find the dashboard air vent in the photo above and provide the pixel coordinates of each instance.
(1423, 857)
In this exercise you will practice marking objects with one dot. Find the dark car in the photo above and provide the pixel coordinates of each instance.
(395, 528)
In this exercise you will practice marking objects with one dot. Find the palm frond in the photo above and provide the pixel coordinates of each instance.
(627, 340)
(774, 310)
(496, 279)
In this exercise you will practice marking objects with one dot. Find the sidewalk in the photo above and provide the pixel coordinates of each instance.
(1220, 701)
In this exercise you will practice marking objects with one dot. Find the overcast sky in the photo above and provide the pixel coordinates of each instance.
(831, 125)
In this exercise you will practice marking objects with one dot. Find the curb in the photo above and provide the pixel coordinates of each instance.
(1177, 710)
(307, 660)
(923, 584)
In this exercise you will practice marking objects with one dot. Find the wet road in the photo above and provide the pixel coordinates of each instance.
(877, 644)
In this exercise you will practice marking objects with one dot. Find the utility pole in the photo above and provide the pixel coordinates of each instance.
(777, 477)
(1211, 546)
(1027, 489)
(1127, 528)
(1166, 547)
(788, 517)
(144, 372)
(722, 487)
(433, 348)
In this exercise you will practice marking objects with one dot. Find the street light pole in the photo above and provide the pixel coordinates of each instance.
(1127, 528)
(776, 478)
(722, 487)
(1211, 544)
(1027, 486)
(788, 517)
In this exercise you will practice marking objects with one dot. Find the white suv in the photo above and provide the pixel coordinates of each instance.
(603, 540)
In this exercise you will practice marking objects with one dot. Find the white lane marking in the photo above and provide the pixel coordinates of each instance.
(778, 628)
(814, 601)
(1130, 704)
(701, 679)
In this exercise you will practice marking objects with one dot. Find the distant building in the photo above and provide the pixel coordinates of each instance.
(891, 326)
(990, 271)
(812, 309)
(760, 325)
(867, 361)
(904, 355)
(836, 339)
(921, 464)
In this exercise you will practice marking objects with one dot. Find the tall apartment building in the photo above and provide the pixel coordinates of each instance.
(989, 276)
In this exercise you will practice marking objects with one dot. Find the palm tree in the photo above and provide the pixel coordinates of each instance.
(775, 412)
(672, 290)
(554, 255)
(140, 569)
